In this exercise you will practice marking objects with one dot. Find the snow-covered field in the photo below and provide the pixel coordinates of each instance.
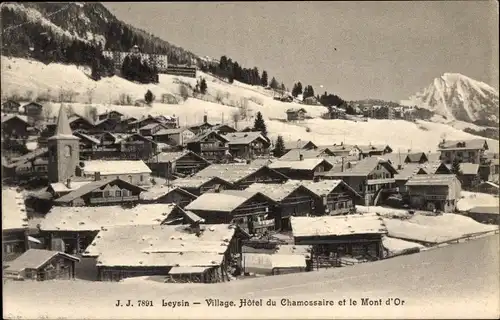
(31, 78)
(470, 200)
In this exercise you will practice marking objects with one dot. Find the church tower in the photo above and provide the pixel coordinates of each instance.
(64, 151)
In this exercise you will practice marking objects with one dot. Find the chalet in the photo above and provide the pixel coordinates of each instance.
(151, 129)
(299, 144)
(488, 187)
(436, 167)
(136, 146)
(27, 166)
(341, 150)
(434, 192)
(176, 136)
(203, 127)
(105, 125)
(247, 145)
(200, 185)
(304, 169)
(167, 194)
(294, 200)
(367, 177)
(483, 214)
(135, 172)
(335, 237)
(41, 265)
(135, 125)
(311, 101)
(210, 145)
(77, 226)
(336, 113)
(418, 157)
(469, 175)
(295, 114)
(14, 224)
(77, 122)
(372, 150)
(10, 107)
(101, 192)
(275, 258)
(193, 253)
(405, 172)
(242, 175)
(15, 127)
(333, 197)
(223, 129)
(471, 151)
(88, 144)
(33, 111)
(166, 164)
(169, 122)
(113, 114)
(251, 211)
(59, 189)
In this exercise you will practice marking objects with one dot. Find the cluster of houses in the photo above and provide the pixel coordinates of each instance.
(193, 212)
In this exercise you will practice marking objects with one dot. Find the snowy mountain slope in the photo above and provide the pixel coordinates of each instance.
(458, 97)
(20, 77)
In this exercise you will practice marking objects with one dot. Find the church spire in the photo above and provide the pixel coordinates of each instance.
(63, 130)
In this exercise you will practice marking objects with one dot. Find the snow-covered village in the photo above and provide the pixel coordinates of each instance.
(140, 180)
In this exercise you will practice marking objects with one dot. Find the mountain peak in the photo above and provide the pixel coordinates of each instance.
(458, 97)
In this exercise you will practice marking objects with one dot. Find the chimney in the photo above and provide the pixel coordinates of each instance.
(97, 176)
(178, 123)
(399, 167)
(205, 118)
(68, 183)
(301, 157)
(409, 150)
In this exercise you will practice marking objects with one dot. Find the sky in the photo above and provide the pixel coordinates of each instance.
(385, 50)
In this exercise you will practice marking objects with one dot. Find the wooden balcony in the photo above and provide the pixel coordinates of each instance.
(380, 181)
(263, 223)
(113, 199)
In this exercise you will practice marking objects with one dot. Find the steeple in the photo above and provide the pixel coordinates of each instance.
(63, 130)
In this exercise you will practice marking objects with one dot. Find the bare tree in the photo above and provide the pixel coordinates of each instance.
(219, 96)
(91, 113)
(243, 106)
(183, 91)
(69, 110)
(235, 116)
(90, 95)
(47, 112)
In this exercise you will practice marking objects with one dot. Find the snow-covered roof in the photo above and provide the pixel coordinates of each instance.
(92, 186)
(253, 262)
(364, 167)
(94, 218)
(325, 187)
(193, 182)
(170, 131)
(225, 201)
(158, 191)
(115, 167)
(62, 187)
(165, 245)
(243, 137)
(88, 137)
(473, 144)
(275, 191)
(431, 180)
(12, 116)
(230, 172)
(294, 154)
(337, 225)
(408, 170)
(34, 259)
(469, 168)
(297, 144)
(485, 209)
(305, 164)
(13, 210)
(432, 167)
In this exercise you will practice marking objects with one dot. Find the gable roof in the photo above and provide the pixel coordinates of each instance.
(298, 144)
(225, 201)
(235, 138)
(366, 149)
(95, 218)
(87, 137)
(415, 157)
(233, 172)
(59, 187)
(294, 110)
(294, 154)
(469, 168)
(203, 135)
(160, 191)
(116, 167)
(277, 191)
(27, 157)
(34, 259)
(408, 170)
(305, 164)
(325, 187)
(9, 117)
(164, 157)
(195, 181)
(364, 167)
(161, 245)
(433, 167)
(92, 186)
(432, 180)
(337, 225)
(463, 144)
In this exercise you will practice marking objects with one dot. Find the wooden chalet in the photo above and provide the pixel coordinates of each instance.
(106, 125)
(436, 167)
(242, 175)
(59, 189)
(151, 129)
(169, 122)
(341, 150)
(251, 211)
(224, 129)
(247, 145)
(418, 157)
(76, 227)
(488, 187)
(304, 169)
(405, 172)
(200, 185)
(299, 144)
(483, 214)
(136, 146)
(15, 127)
(176, 136)
(181, 253)
(33, 111)
(471, 151)
(333, 197)
(210, 145)
(168, 164)
(101, 192)
(368, 177)
(469, 175)
(41, 265)
(297, 154)
(334, 238)
(135, 172)
(14, 224)
(372, 150)
(439, 192)
(113, 114)
(294, 199)
(296, 114)
(203, 127)
(89, 145)
(167, 194)
(140, 123)
(27, 166)
(10, 107)
(80, 123)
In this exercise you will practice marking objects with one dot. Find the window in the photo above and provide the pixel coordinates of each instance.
(142, 178)
(118, 193)
(125, 193)
(107, 194)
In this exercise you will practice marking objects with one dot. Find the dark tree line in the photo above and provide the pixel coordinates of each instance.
(133, 69)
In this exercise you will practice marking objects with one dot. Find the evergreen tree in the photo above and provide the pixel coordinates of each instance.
(274, 84)
(149, 97)
(308, 92)
(455, 167)
(299, 88)
(260, 125)
(264, 78)
(279, 147)
(203, 86)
